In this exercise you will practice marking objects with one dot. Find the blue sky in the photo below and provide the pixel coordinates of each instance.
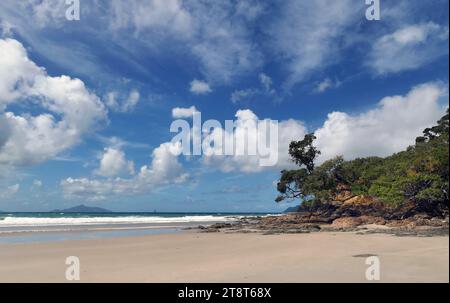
(86, 106)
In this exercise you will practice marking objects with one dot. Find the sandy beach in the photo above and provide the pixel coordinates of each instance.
(221, 257)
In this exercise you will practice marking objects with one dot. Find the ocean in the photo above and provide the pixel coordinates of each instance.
(45, 226)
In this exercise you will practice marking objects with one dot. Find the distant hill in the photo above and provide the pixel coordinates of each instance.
(292, 209)
(82, 209)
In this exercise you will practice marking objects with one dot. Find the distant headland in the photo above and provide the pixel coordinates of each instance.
(82, 209)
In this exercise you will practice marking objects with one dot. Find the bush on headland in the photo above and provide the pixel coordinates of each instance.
(414, 181)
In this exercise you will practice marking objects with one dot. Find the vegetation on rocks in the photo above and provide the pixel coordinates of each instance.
(417, 178)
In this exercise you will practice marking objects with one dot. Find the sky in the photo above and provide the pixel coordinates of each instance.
(86, 105)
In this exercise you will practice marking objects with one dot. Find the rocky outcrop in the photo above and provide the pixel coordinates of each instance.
(363, 206)
(348, 212)
(346, 222)
(355, 206)
(410, 209)
(343, 194)
(352, 222)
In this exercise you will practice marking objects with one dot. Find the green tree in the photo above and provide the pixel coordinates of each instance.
(303, 153)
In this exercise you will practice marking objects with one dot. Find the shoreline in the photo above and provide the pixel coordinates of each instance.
(290, 223)
(38, 234)
(300, 223)
(231, 257)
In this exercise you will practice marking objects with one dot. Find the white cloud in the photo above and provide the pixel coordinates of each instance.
(160, 15)
(126, 105)
(46, 12)
(266, 82)
(408, 48)
(69, 109)
(5, 28)
(200, 87)
(113, 163)
(390, 127)
(306, 35)
(37, 183)
(164, 169)
(9, 191)
(250, 9)
(84, 187)
(119, 143)
(326, 84)
(216, 33)
(183, 112)
(266, 89)
(288, 131)
(244, 95)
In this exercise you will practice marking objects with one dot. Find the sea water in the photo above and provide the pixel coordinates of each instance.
(40, 227)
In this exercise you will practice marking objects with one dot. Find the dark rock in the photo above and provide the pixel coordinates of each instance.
(413, 208)
(364, 256)
(220, 225)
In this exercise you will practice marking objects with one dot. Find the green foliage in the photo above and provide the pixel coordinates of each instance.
(293, 183)
(303, 152)
(421, 173)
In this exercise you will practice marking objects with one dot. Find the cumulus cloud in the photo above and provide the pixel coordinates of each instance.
(183, 112)
(113, 163)
(200, 87)
(243, 137)
(127, 104)
(164, 169)
(408, 48)
(388, 128)
(69, 110)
